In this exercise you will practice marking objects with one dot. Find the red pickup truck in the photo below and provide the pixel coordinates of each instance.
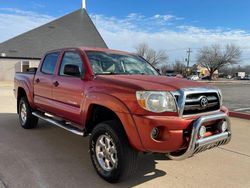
(125, 106)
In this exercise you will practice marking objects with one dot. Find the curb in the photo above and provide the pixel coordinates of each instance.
(239, 115)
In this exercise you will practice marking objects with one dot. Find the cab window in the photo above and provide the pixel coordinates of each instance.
(71, 65)
(49, 63)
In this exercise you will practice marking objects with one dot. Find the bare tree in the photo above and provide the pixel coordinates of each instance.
(179, 67)
(232, 70)
(164, 69)
(226, 70)
(215, 57)
(155, 58)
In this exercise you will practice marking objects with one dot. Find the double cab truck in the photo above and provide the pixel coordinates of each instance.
(124, 105)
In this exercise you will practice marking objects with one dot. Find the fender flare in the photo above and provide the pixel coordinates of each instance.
(24, 86)
(120, 109)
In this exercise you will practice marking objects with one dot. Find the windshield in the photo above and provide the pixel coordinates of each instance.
(113, 63)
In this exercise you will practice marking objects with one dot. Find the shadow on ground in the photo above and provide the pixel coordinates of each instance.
(51, 157)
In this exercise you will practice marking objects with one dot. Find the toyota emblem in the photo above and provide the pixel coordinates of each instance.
(204, 102)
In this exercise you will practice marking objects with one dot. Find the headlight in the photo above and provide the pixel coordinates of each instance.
(156, 101)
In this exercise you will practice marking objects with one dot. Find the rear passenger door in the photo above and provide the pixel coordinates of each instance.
(68, 89)
(43, 81)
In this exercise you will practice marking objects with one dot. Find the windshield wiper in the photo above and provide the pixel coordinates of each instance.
(119, 73)
(111, 73)
(106, 73)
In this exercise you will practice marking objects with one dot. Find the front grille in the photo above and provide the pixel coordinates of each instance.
(201, 102)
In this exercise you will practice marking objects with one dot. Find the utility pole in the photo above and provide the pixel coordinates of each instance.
(188, 59)
(188, 62)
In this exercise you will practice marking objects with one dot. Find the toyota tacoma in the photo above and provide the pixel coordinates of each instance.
(124, 105)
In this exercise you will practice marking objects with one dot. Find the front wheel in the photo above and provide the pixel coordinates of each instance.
(26, 119)
(110, 152)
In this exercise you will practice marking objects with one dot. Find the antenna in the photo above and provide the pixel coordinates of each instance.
(84, 4)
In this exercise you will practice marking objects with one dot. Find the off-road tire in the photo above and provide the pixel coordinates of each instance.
(31, 120)
(127, 157)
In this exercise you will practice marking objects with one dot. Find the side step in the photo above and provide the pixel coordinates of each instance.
(60, 124)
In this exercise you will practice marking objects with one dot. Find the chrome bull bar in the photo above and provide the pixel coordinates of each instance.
(199, 145)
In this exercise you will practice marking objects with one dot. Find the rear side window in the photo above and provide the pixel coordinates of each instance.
(49, 63)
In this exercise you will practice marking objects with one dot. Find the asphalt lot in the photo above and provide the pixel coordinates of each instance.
(236, 95)
(51, 157)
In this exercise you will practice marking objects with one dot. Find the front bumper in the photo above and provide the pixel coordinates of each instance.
(173, 138)
(199, 145)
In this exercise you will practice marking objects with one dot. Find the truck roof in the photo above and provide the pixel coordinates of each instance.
(84, 48)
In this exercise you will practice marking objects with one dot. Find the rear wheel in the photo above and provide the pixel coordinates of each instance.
(110, 152)
(26, 119)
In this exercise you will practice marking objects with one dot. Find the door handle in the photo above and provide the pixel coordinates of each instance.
(37, 80)
(56, 84)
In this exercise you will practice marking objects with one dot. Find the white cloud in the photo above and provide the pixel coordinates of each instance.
(166, 32)
(135, 16)
(15, 21)
(159, 31)
(164, 17)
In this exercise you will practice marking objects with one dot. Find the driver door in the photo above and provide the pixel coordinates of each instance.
(68, 90)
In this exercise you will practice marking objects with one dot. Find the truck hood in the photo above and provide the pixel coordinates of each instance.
(145, 82)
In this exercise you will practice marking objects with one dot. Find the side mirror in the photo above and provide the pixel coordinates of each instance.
(158, 70)
(72, 70)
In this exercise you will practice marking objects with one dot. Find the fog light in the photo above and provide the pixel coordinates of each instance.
(223, 126)
(155, 133)
(202, 131)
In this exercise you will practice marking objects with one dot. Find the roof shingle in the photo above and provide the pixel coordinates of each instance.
(74, 29)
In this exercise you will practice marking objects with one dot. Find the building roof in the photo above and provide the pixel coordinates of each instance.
(74, 29)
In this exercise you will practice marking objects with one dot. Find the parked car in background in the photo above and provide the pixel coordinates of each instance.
(179, 76)
(246, 78)
(193, 77)
(171, 74)
(241, 75)
(205, 78)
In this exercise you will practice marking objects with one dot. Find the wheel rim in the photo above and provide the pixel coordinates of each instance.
(23, 113)
(106, 152)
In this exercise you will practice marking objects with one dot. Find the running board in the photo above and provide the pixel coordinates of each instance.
(59, 124)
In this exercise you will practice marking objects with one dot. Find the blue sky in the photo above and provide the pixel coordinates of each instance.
(207, 13)
(172, 25)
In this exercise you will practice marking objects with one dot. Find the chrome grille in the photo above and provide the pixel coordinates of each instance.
(189, 100)
(193, 103)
